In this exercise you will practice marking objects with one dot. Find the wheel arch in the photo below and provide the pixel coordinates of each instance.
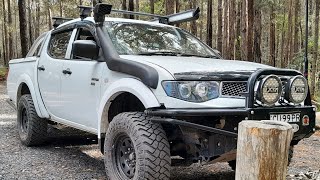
(127, 86)
(25, 86)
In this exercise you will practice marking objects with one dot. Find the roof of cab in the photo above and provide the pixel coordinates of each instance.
(116, 19)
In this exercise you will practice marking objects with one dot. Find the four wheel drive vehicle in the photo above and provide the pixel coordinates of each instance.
(149, 91)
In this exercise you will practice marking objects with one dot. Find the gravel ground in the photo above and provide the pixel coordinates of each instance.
(71, 154)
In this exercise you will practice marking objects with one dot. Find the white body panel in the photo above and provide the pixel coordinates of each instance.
(79, 101)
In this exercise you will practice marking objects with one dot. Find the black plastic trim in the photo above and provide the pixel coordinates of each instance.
(193, 125)
(148, 75)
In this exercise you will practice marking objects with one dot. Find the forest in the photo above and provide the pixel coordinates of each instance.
(264, 31)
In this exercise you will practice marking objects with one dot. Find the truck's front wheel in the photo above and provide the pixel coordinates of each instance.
(135, 148)
(32, 129)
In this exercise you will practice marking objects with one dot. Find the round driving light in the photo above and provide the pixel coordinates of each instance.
(185, 90)
(297, 89)
(270, 89)
(202, 89)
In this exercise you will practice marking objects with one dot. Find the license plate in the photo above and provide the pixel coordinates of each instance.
(289, 117)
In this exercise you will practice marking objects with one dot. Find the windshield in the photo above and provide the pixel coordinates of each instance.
(145, 39)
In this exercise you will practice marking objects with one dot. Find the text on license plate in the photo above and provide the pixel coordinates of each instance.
(292, 117)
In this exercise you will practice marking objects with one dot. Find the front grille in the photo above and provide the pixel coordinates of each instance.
(235, 89)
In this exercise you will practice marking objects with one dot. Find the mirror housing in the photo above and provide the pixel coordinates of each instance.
(85, 49)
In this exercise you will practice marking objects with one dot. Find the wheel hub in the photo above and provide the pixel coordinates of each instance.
(24, 120)
(125, 157)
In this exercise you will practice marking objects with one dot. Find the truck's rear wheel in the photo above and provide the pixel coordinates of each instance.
(135, 148)
(32, 129)
(232, 163)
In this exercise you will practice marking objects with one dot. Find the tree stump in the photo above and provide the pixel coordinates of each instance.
(262, 150)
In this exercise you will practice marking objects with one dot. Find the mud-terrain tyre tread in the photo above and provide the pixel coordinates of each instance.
(232, 163)
(150, 143)
(37, 127)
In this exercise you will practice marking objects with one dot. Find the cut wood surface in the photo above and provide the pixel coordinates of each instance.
(262, 150)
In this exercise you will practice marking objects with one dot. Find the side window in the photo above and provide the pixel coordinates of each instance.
(58, 44)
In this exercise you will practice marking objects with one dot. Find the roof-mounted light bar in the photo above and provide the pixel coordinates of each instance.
(59, 20)
(101, 9)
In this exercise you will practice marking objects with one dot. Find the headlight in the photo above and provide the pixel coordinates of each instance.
(270, 89)
(297, 89)
(193, 91)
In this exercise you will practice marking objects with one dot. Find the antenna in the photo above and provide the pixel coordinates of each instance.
(306, 62)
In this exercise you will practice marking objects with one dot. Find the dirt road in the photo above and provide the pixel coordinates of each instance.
(72, 154)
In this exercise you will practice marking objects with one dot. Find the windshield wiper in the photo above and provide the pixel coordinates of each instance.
(170, 53)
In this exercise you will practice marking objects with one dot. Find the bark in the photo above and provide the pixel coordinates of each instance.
(296, 26)
(201, 22)
(250, 10)
(80, 2)
(232, 21)
(257, 34)
(220, 26)
(152, 6)
(137, 8)
(288, 54)
(30, 28)
(315, 50)
(61, 8)
(131, 8)
(209, 23)
(23, 27)
(225, 45)
(193, 25)
(124, 7)
(169, 6)
(262, 150)
(238, 33)
(10, 38)
(244, 30)
(49, 16)
(37, 29)
(272, 43)
(5, 32)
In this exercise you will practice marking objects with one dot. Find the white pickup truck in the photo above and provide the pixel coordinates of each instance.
(149, 91)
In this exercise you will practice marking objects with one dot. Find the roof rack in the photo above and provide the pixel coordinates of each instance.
(185, 16)
(59, 20)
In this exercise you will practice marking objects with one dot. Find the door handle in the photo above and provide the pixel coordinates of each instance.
(67, 71)
(41, 68)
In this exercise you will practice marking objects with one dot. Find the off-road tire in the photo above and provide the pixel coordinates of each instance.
(151, 147)
(33, 130)
(232, 163)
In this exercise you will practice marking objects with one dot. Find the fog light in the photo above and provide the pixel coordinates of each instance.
(305, 120)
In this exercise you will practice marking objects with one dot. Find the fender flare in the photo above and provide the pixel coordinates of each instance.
(130, 85)
(24, 78)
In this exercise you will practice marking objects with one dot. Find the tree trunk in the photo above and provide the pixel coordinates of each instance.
(238, 33)
(220, 26)
(315, 51)
(257, 34)
(152, 6)
(169, 6)
(296, 26)
(244, 30)
(232, 21)
(209, 23)
(37, 30)
(60, 8)
(124, 7)
(272, 43)
(250, 10)
(30, 28)
(201, 21)
(225, 49)
(137, 8)
(23, 27)
(5, 32)
(131, 8)
(193, 25)
(262, 150)
(10, 38)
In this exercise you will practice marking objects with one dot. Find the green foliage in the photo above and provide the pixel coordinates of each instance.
(3, 73)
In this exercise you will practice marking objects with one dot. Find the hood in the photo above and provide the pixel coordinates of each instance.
(176, 65)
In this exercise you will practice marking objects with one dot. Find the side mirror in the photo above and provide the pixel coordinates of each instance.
(85, 49)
